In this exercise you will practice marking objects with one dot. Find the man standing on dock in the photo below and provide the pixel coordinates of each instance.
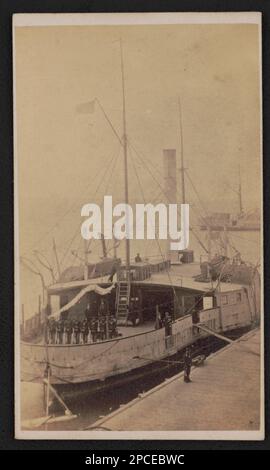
(187, 366)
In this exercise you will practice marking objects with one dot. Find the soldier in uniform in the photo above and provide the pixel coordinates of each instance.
(52, 330)
(102, 308)
(158, 322)
(114, 327)
(87, 314)
(68, 331)
(132, 313)
(168, 324)
(60, 331)
(138, 258)
(94, 328)
(110, 326)
(76, 330)
(187, 366)
(102, 327)
(85, 331)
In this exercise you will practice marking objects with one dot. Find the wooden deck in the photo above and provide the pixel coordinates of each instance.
(224, 395)
(182, 275)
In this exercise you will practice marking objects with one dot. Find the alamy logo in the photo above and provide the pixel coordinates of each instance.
(141, 225)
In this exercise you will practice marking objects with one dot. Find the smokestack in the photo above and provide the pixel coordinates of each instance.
(170, 190)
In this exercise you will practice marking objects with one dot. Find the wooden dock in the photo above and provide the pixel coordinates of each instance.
(224, 395)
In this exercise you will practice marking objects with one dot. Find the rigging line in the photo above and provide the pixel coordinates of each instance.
(97, 189)
(77, 228)
(45, 265)
(137, 150)
(159, 247)
(109, 121)
(196, 236)
(146, 246)
(196, 192)
(243, 238)
(211, 290)
(25, 262)
(83, 362)
(159, 172)
(90, 241)
(110, 179)
(192, 206)
(196, 211)
(213, 241)
(103, 176)
(156, 169)
(169, 277)
(112, 163)
(109, 182)
(153, 201)
(149, 161)
(72, 208)
(236, 191)
(74, 253)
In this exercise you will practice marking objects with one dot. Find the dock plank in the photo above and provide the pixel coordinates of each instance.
(224, 395)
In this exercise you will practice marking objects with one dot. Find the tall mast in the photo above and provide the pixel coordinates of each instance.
(85, 270)
(240, 193)
(182, 169)
(125, 156)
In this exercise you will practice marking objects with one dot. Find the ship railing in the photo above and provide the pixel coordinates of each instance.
(33, 326)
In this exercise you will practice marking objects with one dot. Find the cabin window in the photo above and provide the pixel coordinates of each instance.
(224, 300)
(207, 303)
(238, 297)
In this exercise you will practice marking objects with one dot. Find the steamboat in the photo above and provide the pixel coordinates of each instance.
(159, 307)
(241, 221)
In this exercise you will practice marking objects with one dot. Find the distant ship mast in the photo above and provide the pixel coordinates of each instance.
(182, 168)
(240, 194)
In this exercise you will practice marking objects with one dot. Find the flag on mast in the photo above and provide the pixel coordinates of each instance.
(86, 108)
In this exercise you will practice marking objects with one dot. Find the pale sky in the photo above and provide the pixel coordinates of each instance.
(214, 69)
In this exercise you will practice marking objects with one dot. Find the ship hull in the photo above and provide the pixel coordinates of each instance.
(152, 372)
(98, 362)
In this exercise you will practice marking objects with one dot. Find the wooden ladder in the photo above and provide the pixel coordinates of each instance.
(122, 302)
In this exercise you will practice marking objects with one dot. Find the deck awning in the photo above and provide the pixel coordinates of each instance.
(90, 288)
(60, 287)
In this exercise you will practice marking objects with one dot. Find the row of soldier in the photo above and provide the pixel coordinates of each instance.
(98, 328)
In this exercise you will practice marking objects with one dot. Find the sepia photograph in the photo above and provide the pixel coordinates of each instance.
(138, 226)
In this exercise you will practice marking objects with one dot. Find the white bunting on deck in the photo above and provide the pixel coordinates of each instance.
(99, 290)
